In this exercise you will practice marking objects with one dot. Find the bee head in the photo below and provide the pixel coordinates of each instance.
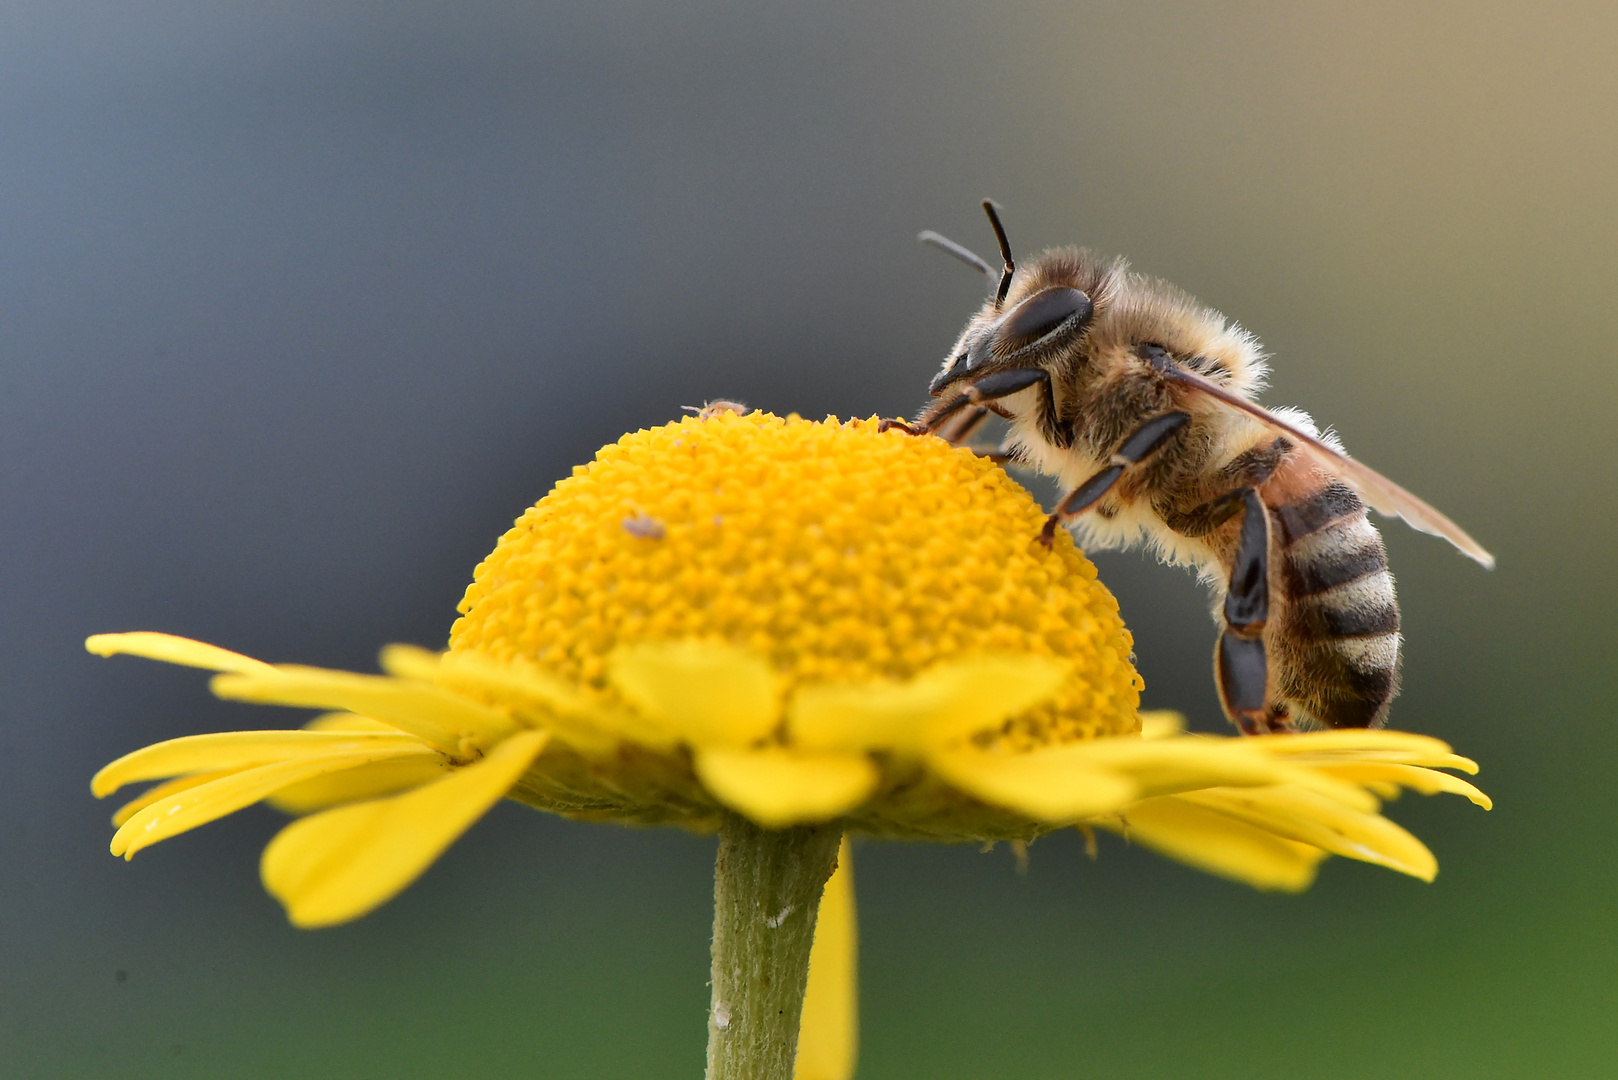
(1044, 319)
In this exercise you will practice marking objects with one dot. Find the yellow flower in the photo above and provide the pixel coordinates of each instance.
(797, 622)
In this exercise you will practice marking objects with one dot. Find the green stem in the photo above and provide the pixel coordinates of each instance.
(767, 887)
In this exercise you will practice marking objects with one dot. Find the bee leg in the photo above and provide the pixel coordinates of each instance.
(1246, 470)
(1240, 667)
(1204, 519)
(989, 388)
(1141, 444)
(1279, 719)
(900, 425)
(959, 430)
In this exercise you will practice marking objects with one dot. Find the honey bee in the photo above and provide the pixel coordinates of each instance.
(1140, 402)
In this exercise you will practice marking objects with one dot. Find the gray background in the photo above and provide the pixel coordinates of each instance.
(302, 304)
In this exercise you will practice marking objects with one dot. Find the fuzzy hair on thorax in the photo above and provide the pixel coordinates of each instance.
(1132, 309)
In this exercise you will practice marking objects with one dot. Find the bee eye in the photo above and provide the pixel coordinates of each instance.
(1041, 315)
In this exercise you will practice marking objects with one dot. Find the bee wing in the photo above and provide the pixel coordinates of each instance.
(1377, 490)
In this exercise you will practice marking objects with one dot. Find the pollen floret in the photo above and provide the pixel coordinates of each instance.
(833, 551)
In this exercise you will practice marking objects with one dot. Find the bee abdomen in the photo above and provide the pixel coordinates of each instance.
(1340, 656)
(1349, 555)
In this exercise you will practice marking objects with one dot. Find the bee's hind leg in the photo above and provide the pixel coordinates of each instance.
(1241, 669)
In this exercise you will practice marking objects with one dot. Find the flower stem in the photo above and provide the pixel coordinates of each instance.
(767, 886)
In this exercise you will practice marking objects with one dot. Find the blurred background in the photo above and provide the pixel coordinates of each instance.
(302, 304)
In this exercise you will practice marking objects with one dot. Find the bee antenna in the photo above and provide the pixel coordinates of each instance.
(950, 247)
(1005, 251)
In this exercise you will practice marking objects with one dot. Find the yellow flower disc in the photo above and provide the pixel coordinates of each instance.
(837, 552)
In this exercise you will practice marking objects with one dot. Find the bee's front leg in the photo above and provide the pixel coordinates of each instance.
(965, 423)
(1141, 444)
(957, 431)
(966, 410)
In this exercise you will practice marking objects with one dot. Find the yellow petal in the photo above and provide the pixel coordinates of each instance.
(1426, 781)
(828, 1034)
(173, 650)
(1161, 723)
(948, 701)
(1050, 786)
(1430, 757)
(199, 805)
(163, 791)
(777, 788)
(983, 692)
(410, 662)
(436, 715)
(701, 692)
(580, 719)
(1362, 743)
(231, 750)
(369, 781)
(346, 721)
(1311, 818)
(335, 866)
(1218, 843)
(855, 717)
(1170, 765)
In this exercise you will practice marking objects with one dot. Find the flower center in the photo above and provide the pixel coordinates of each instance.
(837, 552)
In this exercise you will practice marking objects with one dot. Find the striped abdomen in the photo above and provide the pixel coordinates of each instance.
(1333, 633)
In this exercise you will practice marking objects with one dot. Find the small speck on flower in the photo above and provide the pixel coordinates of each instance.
(644, 527)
